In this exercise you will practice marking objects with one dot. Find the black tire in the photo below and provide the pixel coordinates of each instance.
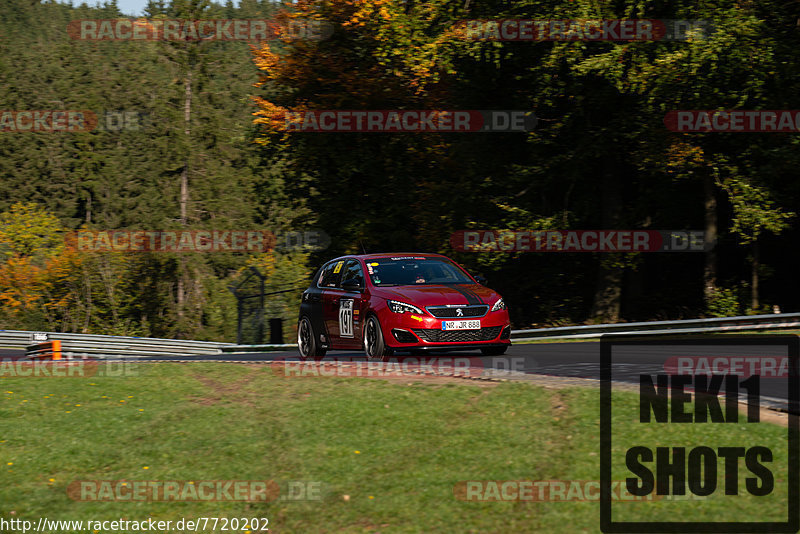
(494, 351)
(374, 345)
(307, 341)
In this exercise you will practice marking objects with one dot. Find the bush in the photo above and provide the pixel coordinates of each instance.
(723, 303)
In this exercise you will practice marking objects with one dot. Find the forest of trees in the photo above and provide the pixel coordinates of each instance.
(209, 153)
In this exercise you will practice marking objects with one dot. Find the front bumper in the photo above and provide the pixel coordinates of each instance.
(401, 331)
(450, 347)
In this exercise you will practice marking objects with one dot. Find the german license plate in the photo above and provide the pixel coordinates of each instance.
(461, 325)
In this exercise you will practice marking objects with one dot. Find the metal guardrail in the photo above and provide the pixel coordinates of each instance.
(101, 346)
(715, 324)
(268, 347)
(688, 326)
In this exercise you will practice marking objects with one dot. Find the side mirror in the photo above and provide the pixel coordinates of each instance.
(481, 280)
(351, 284)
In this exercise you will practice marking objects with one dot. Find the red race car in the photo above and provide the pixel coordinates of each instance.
(397, 302)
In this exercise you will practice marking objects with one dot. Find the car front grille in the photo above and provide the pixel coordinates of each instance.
(434, 335)
(451, 312)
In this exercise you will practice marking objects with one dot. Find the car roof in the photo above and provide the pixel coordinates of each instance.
(389, 255)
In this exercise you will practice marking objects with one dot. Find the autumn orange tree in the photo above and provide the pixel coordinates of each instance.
(45, 283)
(29, 238)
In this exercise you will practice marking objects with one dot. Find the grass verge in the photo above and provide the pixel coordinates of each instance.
(388, 455)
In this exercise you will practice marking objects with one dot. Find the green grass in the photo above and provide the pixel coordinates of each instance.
(397, 449)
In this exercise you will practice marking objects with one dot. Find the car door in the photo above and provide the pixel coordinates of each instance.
(352, 303)
(328, 282)
(330, 301)
(343, 308)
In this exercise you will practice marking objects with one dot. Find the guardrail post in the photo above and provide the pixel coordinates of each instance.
(48, 349)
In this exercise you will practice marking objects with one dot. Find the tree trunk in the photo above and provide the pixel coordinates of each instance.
(607, 298)
(754, 300)
(187, 117)
(710, 267)
(608, 294)
(184, 194)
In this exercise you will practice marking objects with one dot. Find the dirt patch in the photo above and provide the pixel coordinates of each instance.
(394, 374)
(558, 406)
(475, 377)
(769, 416)
(434, 380)
(555, 382)
(219, 391)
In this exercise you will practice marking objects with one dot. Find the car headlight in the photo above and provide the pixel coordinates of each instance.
(499, 305)
(402, 307)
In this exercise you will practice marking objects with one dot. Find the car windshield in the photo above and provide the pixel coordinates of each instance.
(403, 271)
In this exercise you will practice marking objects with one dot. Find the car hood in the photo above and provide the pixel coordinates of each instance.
(433, 295)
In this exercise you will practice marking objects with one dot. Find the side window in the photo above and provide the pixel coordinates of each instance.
(329, 276)
(353, 270)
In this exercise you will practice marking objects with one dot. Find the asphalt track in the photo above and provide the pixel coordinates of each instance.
(573, 360)
(576, 360)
